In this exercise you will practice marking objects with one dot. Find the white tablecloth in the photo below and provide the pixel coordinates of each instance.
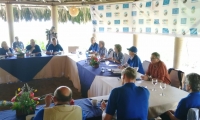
(157, 103)
(58, 66)
(103, 85)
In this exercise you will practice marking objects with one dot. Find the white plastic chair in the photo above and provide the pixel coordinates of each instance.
(126, 57)
(145, 65)
(110, 55)
(193, 114)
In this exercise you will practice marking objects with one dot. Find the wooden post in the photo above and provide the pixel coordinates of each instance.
(54, 17)
(135, 40)
(177, 52)
(10, 21)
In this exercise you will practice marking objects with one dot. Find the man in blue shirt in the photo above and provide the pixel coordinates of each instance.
(129, 101)
(5, 50)
(191, 101)
(94, 46)
(18, 44)
(33, 48)
(54, 48)
(134, 61)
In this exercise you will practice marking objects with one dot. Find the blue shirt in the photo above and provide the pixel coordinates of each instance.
(102, 51)
(191, 101)
(36, 50)
(18, 45)
(3, 51)
(130, 102)
(56, 48)
(94, 48)
(136, 62)
(119, 57)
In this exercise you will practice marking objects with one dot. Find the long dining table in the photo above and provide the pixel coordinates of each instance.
(89, 81)
(157, 104)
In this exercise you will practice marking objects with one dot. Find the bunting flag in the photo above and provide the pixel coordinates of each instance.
(168, 17)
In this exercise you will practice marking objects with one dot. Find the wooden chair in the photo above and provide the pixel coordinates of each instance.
(176, 77)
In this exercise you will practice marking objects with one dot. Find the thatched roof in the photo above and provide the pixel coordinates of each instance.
(44, 13)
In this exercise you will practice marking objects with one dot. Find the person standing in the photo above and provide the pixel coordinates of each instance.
(18, 44)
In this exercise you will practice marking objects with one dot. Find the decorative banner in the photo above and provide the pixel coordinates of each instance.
(168, 17)
(112, 18)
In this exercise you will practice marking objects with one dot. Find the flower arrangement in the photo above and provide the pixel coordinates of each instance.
(94, 62)
(24, 102)
(20, 53)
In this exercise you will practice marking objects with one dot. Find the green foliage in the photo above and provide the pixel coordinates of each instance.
(29, 14)
(24, 103)
(5, 103)
(94, 61)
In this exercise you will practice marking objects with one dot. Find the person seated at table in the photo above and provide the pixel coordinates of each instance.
(191, 101)
(33, 48)
(157, 69)
(118, 56)
(134, 61)
(129, 100)
(18, 44)
(5, 50)
(94, 48)
(54, 47)
(62, 109)
(102, 50)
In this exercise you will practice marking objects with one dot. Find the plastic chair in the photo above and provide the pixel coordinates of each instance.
(193, 114)
(126, 57)
(145, 65)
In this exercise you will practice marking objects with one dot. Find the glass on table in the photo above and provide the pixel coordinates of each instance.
(51, 52)
(162, 86)
(154, 82)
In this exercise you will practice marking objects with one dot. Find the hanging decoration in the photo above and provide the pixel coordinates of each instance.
(43, 14)
(73, 11)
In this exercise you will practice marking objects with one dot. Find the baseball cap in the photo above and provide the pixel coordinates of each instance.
(132, 49)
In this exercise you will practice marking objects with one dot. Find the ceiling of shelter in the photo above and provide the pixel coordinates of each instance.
(62, 2)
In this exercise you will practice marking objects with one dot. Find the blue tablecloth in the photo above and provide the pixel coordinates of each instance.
(24, 69)
(89, 111)
(88, 73)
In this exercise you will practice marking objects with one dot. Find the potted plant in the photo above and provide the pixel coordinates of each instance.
(20, 53)
(94, 62)
(24, 102)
